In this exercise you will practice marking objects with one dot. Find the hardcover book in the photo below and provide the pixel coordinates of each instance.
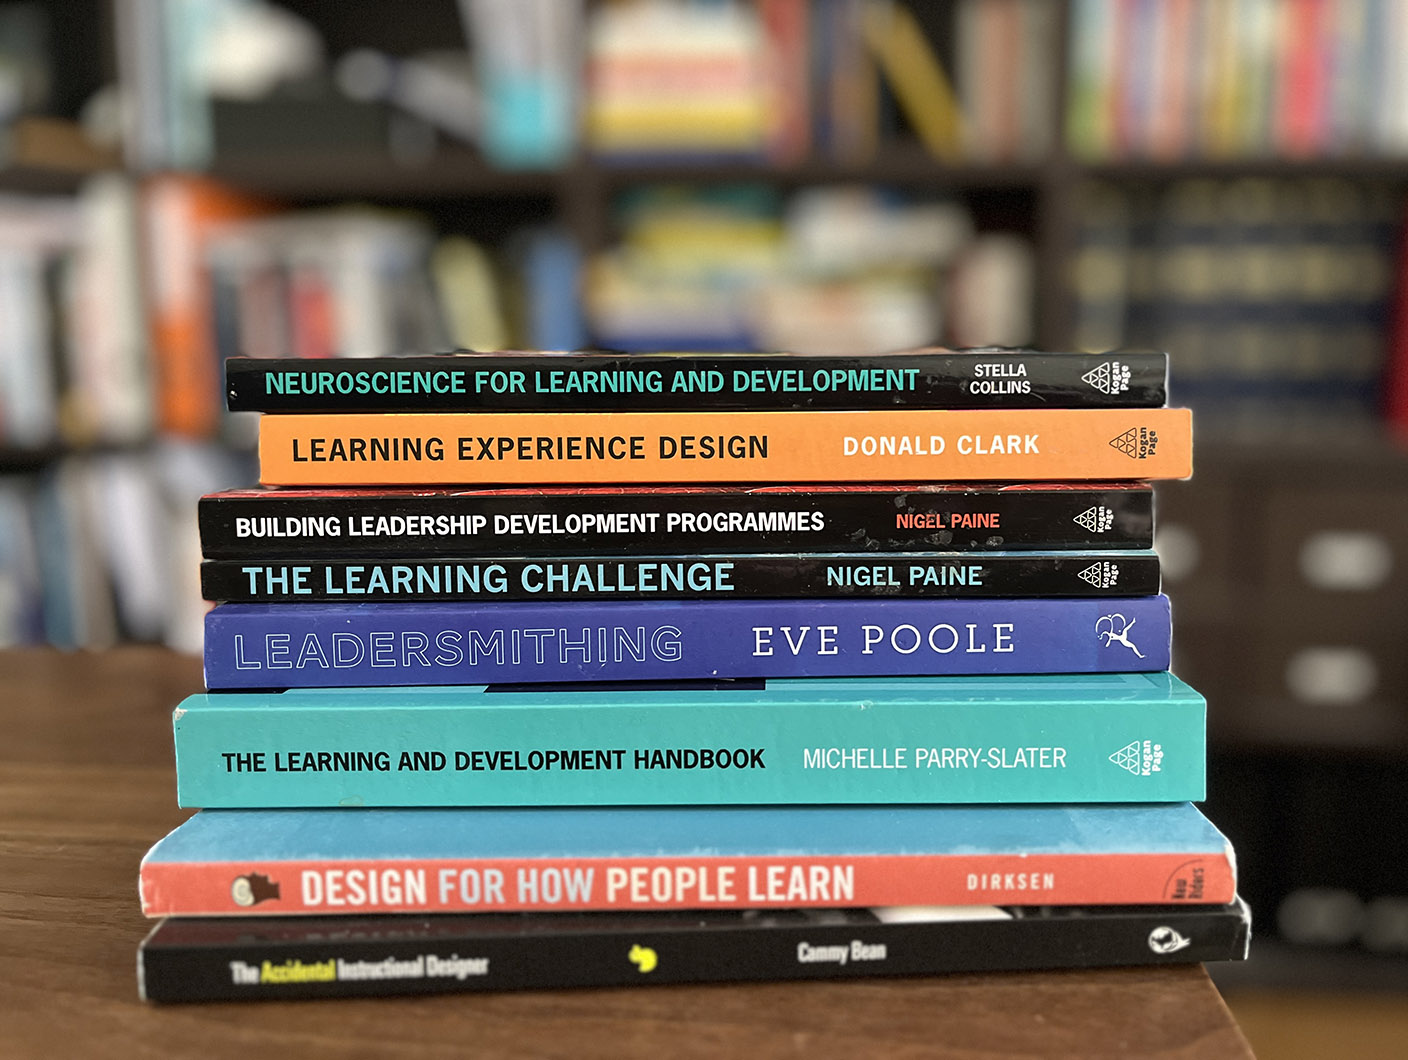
(295, 645)
(974, 445)
(1066, 738)
(699, 577)
(573, 382)
(277, 862)
(250, 958)
(236, 524)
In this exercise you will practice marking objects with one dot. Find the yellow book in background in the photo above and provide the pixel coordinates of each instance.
(469, 294)
(733, 122)
(921, 87)
(1223, 87)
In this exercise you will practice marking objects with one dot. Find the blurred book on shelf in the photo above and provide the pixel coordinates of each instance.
(526, 54)
(175, 57)
(1395, 401)
(99, 548)
(828, 270)
(337, 283)
(73, 367)
(179, 215)
(685, 267)
(37, 237)
(825, 269)
(231, 276)
(1273, 295)
(213, 80)
(530, 82)
(779, 80)
(1007, 70)
(667, 77)
(1169, 79)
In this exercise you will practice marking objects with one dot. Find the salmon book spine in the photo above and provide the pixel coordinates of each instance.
(241, 863)
(622, 448)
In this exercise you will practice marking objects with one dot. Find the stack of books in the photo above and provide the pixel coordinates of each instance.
(895, 701)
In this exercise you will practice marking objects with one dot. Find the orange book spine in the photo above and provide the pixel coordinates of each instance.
(364, 449)
(180, 213)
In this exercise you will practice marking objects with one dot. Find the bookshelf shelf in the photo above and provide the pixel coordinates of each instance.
(41, 180)
(1357, 167)
(316, 178)
(910, 168)
(17, 459)
(333, 177)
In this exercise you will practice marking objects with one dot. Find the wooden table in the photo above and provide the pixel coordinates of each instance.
(86, 785)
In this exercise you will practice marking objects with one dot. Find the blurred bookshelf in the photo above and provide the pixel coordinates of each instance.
(40, 180)
(1226, 179)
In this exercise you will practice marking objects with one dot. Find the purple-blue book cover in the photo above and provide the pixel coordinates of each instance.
(350, 645)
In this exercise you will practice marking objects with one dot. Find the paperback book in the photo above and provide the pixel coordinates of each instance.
(278, 862)
(249, 523)
(574, 382)
(296, 645)
(258, 958)
(1067, 738)
(704, 577)
(617, 448)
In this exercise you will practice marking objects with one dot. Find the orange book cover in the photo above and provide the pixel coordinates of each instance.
(355, 449)
(180, 213)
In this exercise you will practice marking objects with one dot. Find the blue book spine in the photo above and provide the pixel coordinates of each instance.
(342, 646)
(1096, 738)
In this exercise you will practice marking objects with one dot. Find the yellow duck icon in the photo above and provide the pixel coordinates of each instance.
(644, 958)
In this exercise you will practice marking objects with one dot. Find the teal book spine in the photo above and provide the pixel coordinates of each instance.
(1067, 738)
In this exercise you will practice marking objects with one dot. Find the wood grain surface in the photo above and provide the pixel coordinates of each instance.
(86, 785)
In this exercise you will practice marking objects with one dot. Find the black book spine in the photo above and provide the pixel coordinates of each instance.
(694, 382)
(917, 575)
(184, 960)
(437, 523)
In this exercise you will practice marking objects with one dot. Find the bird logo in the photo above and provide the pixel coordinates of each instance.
(1166, 940)
(644, 958)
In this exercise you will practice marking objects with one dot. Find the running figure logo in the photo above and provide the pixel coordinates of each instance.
(1112, 628)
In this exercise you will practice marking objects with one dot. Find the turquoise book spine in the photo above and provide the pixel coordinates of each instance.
(1068, 738)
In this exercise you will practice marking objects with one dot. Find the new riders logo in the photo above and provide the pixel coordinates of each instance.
(1166, 940)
